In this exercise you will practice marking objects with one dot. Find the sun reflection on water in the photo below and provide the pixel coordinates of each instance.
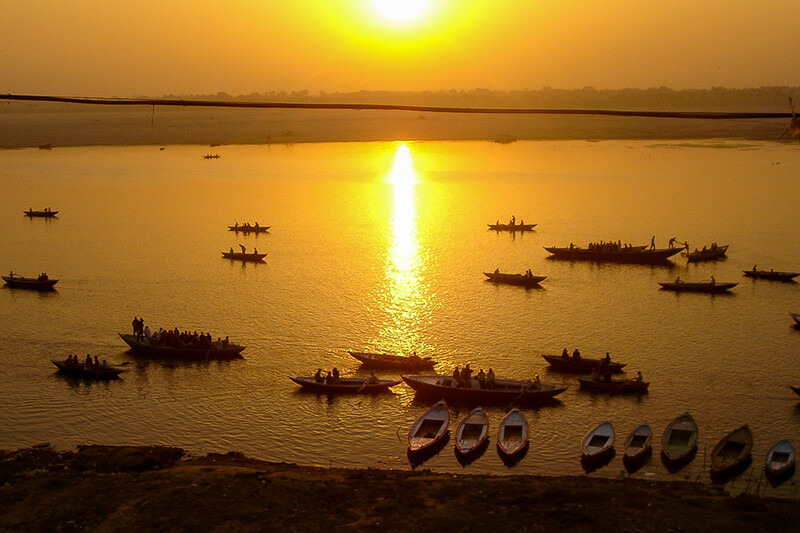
(406, 298)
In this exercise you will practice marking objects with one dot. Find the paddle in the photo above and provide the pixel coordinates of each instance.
(521, 394)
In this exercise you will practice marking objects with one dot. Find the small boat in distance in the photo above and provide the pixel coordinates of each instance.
(247, 228)
(613, 386)
(770, 274)
(512, 434)
(211, 156)
(732, 451)
(252, 257)
(511, 227)
(638, 445)
(45, 213)
(679, 441)
(598, 442)
(472, 432)
(584, 365)
(613, 253)
(523, 280)
(40, 283)
(712, 286)
(99, 372)
(345, 385)
(387, 361)
(780, 460)
(795, 389)
(429, 429)
(707, 253)
(796, 318)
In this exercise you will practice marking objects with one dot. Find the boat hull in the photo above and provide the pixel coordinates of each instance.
(393, 362)
(779, 462)
(429, 430)
(614, 386)
(40, 214)
(216, 351)
(707, 255)
(732, 451)
(34, 284)
(247, 258)
(679, 441)
(598, 443)
(632, 255)
(771, 275)
(512, 434)
(472, 432)
(511, 228)
(504, 391)
(80, 372)
(249, 229)
(697, 287)
(345, 385)
(639, 444)
(520, 280)
(583, 365)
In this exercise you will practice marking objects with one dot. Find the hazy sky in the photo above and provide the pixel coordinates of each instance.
(158, 47)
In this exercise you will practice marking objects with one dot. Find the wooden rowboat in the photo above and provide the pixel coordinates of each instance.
(472, 432)
(638, 445)
(598, 442)
(148, 346)
(512, 434)
(732, 451)
(614, 386)
(633, 254)
(780, 460)
(697, 286)
(98, 373)
(584, 365)
(679, 441)
(429, 429)
(345, 385)
(708, 254)
(249, 229)
(36, 284)
(40, 214)
(502, 391)
(511, 227)
(771, 275)
(251, 257)
(387, 361)
(522, 280)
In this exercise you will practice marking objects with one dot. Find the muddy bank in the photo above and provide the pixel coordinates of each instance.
(101, 488)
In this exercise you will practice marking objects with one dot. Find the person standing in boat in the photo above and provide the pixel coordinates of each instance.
(713, 281)
(576, 354)
(318, 376)
(456, 377)
(135, 324)
(466, 377)
(231, 250)
(564, 354)
(490, 379)
(243, 248)
(652, 242)
(335, 374)
(255, 250)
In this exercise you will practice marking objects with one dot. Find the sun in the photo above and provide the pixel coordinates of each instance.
(401, 10)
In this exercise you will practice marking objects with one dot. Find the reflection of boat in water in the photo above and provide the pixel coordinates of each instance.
(345, 385)
(614, 386)
(429, 429)
(501, 391)
(217, 349)
(472, 432)
(584, 365)
(46, 213)
(394, 362)
(523, 280)
(732, 451)
(42, 283)
(598, 442)
(697, 286)
(247, 228)
(600, 254)
(511, 227)
(708, 254)
(679, 441)
(512, 434)
(98, 372)
(771, 275)
(251, 257)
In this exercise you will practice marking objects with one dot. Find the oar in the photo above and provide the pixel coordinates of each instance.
(521, 394)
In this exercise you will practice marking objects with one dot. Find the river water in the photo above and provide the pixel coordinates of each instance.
(381, 247)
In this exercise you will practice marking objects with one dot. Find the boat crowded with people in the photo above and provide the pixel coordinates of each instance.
(385, 361)
(89, 369)
(487, 391)
(180, 344)
(772, 275)
(524, 280)
(341, 385)
(40, 283)
(578, 364)
(613, 252)
(44, 213)
(708, 253)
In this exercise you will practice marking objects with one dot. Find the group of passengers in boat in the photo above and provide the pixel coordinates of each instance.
(74, 362)
(246, 225)
(604, 246)
(331, 378)
(175, 338)
(463, 378)
(576, 354)
(41, 277)
(511, 222)
(244, 249)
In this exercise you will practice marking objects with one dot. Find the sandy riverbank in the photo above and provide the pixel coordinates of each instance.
(99, 488)
(73, 125)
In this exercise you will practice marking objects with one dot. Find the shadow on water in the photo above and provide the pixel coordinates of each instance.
(592, 464)
(634, 465)
(465, 459)
(511, 460)
(415, 459)
(674, 467)
(721, 478)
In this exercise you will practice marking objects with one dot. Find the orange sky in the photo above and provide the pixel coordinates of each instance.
(154, 48)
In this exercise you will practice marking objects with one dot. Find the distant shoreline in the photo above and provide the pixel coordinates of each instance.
(162, 126)
(143, 488)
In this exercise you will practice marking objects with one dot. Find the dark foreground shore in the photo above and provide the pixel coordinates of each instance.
(102, 488)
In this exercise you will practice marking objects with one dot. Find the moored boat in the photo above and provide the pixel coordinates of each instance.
(251, 257)
(638, 445)
(150, 346)
(732, 451)
(429, 429)
(472, 432)
(771, 275)
(679, 441)
(712, 286)
(614, 386)
(80, 371)
(511, 227)
(345, 385)
(795, 389)
(598, 442)
(387, 361)
(45, 213)
(524, 280)
(512, 434)
(41, 283)
(500, 391)
(247, 228)
(796, 318)
(707, 253)
(630, 254)
(584, 365)
(780, 460)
